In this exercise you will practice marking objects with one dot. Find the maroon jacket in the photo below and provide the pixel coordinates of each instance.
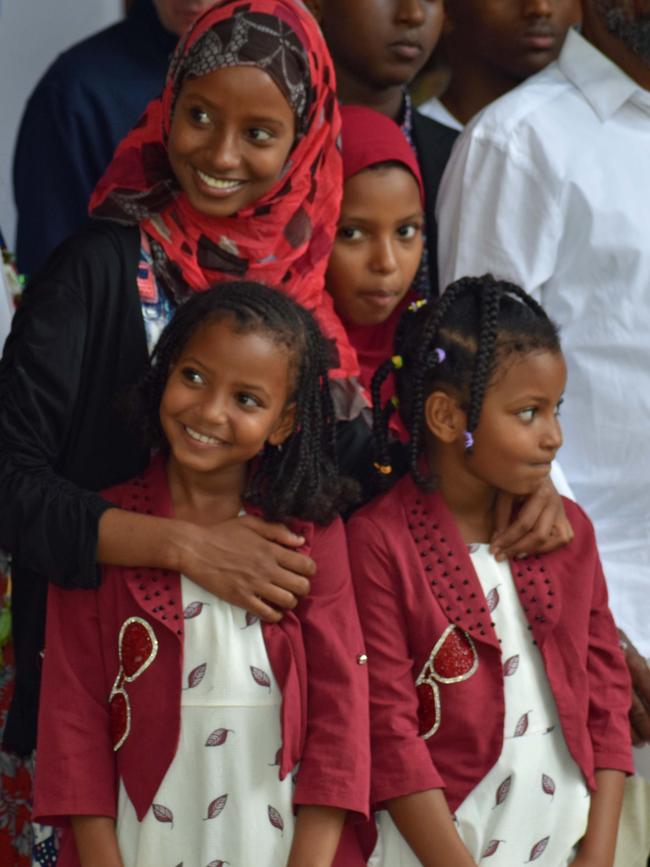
(415, 582)
(316, 653)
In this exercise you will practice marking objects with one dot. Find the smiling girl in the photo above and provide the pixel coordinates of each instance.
(171, 722)
(498, 691)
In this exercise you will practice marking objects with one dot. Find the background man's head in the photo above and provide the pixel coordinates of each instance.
(515, 38)
(380, 43)
(177, 15)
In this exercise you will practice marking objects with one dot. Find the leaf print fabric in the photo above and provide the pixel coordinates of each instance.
(275, 818)
(163, 814)
(218, 737)
(260, 677)
(195, 676)
(217, 807)
(538, 849)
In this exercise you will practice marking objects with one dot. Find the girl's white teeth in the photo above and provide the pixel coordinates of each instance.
(217, 183)
(202, 438)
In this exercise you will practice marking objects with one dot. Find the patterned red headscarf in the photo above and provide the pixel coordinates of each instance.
(284, 239)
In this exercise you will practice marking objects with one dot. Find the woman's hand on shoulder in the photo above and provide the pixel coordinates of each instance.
(541, 524)
(246, 561)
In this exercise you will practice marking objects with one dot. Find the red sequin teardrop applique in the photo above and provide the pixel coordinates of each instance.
(455, 658)
(428, 708)
(452, 660)
(138, 647)
(120, 710)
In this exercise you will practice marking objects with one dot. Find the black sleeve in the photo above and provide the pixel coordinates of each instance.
(46, 522)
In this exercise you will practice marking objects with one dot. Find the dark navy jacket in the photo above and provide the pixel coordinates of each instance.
(82, 107)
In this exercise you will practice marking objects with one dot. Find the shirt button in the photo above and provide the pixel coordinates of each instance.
(362, 659)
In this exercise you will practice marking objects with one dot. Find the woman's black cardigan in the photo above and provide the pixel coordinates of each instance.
(77, 342)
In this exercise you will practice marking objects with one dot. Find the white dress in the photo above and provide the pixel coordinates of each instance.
(533, 805)
(221, 801)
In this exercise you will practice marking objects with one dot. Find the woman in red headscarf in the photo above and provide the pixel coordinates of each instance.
(233, 174)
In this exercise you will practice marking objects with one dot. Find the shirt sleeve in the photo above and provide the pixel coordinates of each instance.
(56, 166)
(497, 212)
(76, 772)
(401, 761)
(335, 764)
(47, 522)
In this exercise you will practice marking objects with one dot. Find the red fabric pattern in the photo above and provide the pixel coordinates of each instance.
(284, 239)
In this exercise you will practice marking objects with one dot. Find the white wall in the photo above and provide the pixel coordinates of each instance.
(32, 34)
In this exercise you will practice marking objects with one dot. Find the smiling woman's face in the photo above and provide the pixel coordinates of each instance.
(230, 137)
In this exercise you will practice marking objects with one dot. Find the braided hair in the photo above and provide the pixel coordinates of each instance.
(456, 343)
(301, 478)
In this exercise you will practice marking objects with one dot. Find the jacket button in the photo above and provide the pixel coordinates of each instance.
(362, 659)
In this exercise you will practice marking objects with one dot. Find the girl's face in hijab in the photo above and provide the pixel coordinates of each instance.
(230, 137)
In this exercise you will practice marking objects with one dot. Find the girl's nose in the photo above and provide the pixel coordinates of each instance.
(552, 437)
(411, 12)
(223, 151)
(214, 409)
(383, 259)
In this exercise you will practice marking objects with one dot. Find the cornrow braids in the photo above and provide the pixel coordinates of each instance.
(300, 479)
(457, 343)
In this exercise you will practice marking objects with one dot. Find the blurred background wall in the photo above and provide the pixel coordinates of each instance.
(32, 34)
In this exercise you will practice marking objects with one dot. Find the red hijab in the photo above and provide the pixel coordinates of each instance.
(283, 239)
(370, 138)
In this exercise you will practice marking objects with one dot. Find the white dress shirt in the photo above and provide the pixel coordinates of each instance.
(550, 187)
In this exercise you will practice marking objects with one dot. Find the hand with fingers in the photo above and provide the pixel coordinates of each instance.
(640, 674)
(540, 524)
(248, 562)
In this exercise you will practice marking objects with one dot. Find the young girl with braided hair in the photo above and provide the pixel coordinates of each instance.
(171, 721)
(498, 692)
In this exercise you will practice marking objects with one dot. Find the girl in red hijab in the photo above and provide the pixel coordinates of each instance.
(234, 173)
(379, 238)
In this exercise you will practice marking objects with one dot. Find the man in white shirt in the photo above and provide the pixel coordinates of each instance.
(491, 46)
(550, 188)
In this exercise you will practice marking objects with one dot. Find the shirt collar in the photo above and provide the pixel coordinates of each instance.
(603, 84)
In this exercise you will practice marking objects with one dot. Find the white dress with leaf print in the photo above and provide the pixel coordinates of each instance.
(221, 801)
(532, 806)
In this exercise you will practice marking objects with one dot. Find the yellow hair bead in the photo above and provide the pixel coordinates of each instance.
(384, 469)
(398, 362)
(395, 401)
(416, 305)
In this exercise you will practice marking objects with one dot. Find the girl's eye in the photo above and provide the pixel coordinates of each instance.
(189, 374)
(248, 400)
(349, 233)
(408, 231)
(260, 136)
(528, 414)
(199, 116)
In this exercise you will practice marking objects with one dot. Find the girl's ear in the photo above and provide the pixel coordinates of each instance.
(444, 417)
(284, 426)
